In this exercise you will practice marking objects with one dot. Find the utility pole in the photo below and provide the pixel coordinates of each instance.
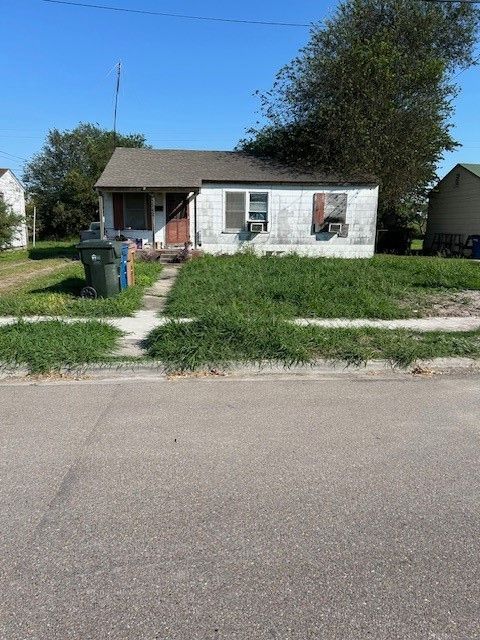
(34, 230)
(117, 89)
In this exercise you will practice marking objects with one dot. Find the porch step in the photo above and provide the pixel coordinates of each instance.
(166, 256)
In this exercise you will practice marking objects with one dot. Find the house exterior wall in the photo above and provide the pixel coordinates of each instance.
(290, 211)
(13, 194)
(454, 206)
(289, 221)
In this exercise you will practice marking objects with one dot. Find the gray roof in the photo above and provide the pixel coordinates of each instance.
(172, 168)
(473, 168)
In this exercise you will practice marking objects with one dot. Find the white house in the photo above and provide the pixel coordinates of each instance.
(454, 209)
(222, 201)
(13, 193)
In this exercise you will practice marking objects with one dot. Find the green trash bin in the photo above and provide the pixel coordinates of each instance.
(101, 261)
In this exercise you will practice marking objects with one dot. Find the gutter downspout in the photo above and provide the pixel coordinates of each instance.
(195, 220)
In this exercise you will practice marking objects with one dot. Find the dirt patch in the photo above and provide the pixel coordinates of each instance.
(459, 304)
(18, 279)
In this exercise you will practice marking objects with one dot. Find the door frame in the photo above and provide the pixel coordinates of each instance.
(186, 201)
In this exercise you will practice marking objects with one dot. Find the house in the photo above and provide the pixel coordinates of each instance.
(454, 209)
(223, 201)
(12, 193)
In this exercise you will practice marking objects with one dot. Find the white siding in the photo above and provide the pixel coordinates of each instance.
(290, 221)
(290, 212)
(454, 209)
(14, 195)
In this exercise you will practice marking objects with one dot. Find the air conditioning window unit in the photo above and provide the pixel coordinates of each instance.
(257, 227)
(335, 227)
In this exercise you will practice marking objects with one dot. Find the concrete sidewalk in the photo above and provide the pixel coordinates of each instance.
(138, 326)
(440, 323)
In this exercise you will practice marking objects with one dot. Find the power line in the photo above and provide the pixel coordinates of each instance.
(5, 153)
(178, 15)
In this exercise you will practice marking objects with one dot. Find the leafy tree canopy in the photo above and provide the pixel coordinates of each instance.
(371, 93)
(60, 178)
(9, 222)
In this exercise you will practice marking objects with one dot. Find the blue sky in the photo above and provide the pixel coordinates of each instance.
(185, 83)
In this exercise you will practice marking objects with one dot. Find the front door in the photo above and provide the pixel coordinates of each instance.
(178, 224)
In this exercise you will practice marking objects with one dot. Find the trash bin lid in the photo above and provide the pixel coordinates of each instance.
(101, 244)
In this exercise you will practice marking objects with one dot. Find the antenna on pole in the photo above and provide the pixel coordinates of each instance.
(117, 88)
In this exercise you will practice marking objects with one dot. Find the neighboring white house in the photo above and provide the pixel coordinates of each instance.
(13, 193)
(454, 209)
(223, 201)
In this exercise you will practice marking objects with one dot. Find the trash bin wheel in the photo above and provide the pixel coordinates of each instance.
(88, 292)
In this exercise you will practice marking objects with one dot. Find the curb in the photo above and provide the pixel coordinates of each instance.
(129, 371)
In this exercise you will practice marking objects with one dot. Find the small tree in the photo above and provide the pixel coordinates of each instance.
(9, 222)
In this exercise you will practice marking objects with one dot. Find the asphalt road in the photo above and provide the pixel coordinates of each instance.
(220, 509)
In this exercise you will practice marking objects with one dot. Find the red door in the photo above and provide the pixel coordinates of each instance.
(178, 224)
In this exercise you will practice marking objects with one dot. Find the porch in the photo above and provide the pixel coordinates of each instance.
(160, 219)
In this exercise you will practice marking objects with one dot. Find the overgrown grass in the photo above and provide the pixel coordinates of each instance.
(292, 286)
(219, 339)
(57, 294)
(47, 346)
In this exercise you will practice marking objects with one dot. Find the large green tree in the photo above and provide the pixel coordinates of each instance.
(371, 94)
(60, 178)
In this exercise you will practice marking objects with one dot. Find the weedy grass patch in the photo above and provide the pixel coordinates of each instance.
(48, 346)
(220, 339)
(43, 250)
(57, 294)
(292, 286)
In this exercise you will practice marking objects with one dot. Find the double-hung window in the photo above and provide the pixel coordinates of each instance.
(242, 207)
(258, 207)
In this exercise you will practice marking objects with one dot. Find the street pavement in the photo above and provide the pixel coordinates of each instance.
(240, 509)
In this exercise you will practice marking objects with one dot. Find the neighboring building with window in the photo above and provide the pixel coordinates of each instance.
(223, 201)
(454, 210)
(12, 193)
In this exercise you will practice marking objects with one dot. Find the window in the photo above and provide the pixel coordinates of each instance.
(134, 211)
(457, 180)
(258, 207)
(237, 213)
(328, 208)
(235, 210)
(336, 207)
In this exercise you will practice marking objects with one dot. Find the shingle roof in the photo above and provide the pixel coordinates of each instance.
(163, 168)
(473, 168)
(2, 172)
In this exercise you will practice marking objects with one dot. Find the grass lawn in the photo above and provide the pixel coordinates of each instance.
(220, 339)
(45, 281)
(380, 287)
(46, 346)
(44, 250)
